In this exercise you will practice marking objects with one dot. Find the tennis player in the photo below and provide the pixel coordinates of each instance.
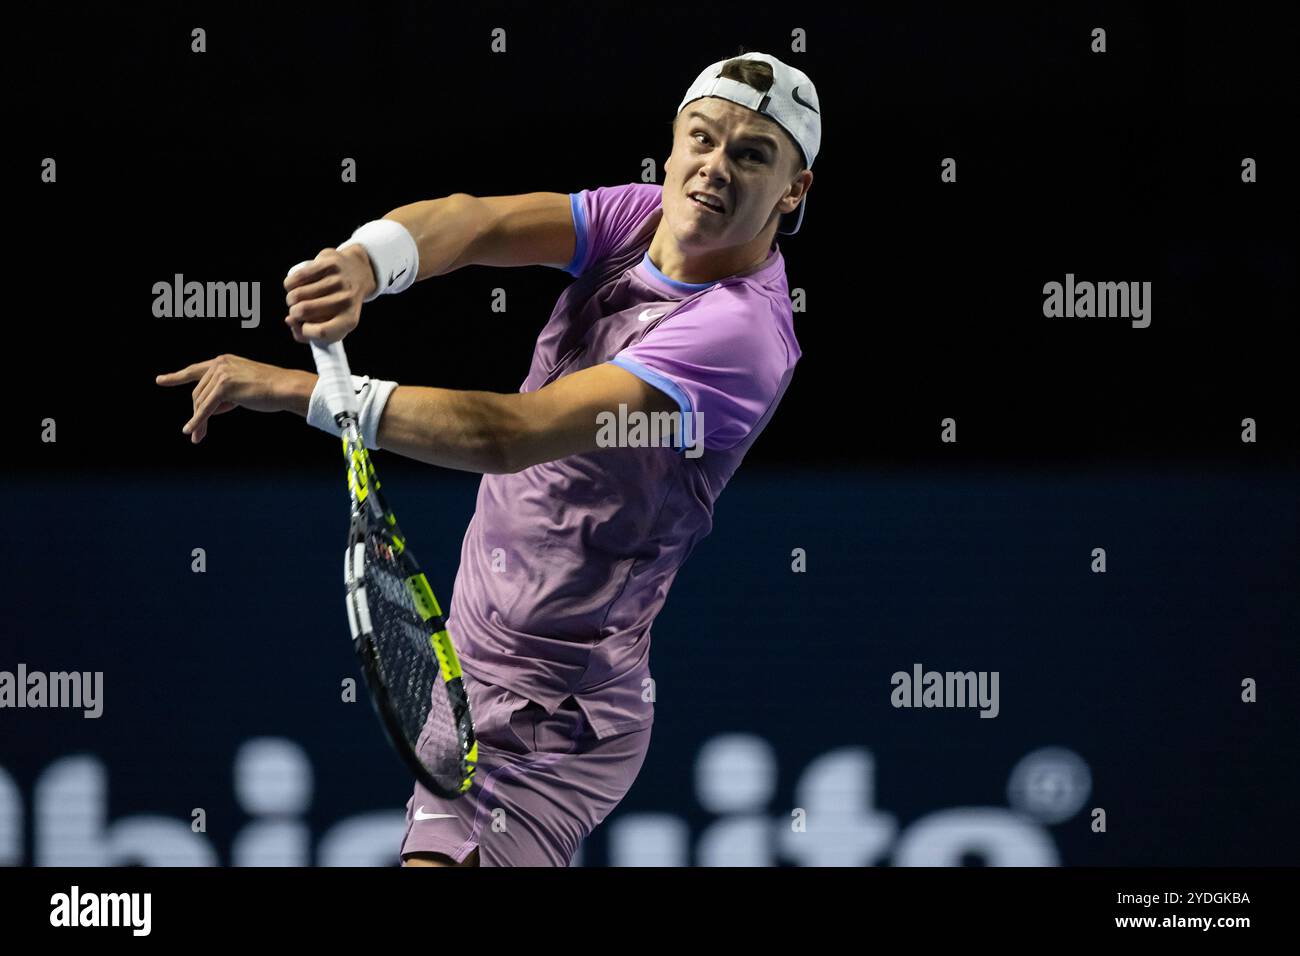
(679, 306)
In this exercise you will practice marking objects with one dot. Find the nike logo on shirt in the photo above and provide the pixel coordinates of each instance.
(645, 315)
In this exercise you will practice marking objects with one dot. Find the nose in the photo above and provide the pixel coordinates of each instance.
(715, 168)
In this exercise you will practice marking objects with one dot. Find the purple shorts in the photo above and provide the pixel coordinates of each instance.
(543, 784)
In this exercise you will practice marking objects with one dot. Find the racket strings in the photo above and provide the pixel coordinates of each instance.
(407, 664)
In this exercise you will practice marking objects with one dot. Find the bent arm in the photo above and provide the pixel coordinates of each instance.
(496, 433)
(461, 230)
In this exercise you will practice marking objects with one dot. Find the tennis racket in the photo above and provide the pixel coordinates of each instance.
(397, 627)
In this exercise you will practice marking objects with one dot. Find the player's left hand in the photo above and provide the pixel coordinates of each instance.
(229, 381)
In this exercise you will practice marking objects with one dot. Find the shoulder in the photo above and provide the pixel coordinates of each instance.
(740, 311)
(632, 197)
(605, 217)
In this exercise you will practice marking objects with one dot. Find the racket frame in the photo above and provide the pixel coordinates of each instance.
(370, 515)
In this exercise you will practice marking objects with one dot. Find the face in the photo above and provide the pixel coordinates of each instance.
(745, 161)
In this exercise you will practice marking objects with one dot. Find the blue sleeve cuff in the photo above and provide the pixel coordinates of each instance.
(574, 267)
(669, 388)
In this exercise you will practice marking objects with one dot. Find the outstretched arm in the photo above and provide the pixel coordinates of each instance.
(486, 432)
(503, 433)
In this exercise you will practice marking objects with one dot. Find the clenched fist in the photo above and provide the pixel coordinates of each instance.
(325, 294)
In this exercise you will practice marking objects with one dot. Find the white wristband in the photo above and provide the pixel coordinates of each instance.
(372, 396)
(393, 253)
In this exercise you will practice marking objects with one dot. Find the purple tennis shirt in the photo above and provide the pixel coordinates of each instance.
(565, 564)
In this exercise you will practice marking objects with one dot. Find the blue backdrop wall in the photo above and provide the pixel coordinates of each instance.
(775, 741)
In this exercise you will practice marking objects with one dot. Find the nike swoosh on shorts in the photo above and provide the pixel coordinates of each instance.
(421, 815)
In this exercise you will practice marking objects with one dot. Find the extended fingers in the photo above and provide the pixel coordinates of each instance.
(205, 385)
(188, 374)
(206, 396)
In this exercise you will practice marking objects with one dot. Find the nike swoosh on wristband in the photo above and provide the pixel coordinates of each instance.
(421, 815)
(645, 315)
(393, 278)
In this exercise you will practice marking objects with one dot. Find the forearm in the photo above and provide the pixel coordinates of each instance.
(444, 230)
(468, 431)
(465, 430)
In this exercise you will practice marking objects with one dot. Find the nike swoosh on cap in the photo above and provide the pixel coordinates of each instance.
(794, 94)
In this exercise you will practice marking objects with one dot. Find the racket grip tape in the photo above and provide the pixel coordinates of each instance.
(335, 379)
(335, 376)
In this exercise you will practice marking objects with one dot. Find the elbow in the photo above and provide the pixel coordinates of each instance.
(490, 452)
(497, 459)
(511, 456)
(506, 468)
(505, 460)
(507, 450)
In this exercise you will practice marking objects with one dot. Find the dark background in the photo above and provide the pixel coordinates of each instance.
(924, 301)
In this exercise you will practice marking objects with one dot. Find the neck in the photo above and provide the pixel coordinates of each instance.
(711, 265)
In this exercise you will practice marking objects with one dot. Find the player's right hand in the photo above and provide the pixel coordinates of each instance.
(325, 294)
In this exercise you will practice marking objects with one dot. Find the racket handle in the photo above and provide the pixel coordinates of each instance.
(335, 376)
(335, 379)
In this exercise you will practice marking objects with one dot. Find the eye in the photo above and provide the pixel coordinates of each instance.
(750, 152)
(700, 136)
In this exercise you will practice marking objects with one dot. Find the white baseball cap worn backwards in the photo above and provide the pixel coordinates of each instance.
(791, 103)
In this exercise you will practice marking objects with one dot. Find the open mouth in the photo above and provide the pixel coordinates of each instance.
(707, 205)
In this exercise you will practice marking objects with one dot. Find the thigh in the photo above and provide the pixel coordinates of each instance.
(438, 859)
(537, 811)
(443, 828)
(543, 784)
